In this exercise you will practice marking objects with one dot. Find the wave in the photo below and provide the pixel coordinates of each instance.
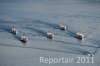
(55, 50)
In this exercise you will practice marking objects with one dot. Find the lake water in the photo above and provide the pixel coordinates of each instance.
(35, 17)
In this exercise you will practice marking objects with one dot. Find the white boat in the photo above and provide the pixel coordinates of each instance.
(50, 35)
(90, 55)
(80, 35)
(24, 38)
(13, 30)
(62, 27)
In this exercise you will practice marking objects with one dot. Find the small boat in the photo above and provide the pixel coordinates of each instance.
(24, 38)
(90, 55)
(62, 27)
(13, 30)
(80, 36)
(49, 35)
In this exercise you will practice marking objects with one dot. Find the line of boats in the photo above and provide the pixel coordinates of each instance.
(50, 34)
